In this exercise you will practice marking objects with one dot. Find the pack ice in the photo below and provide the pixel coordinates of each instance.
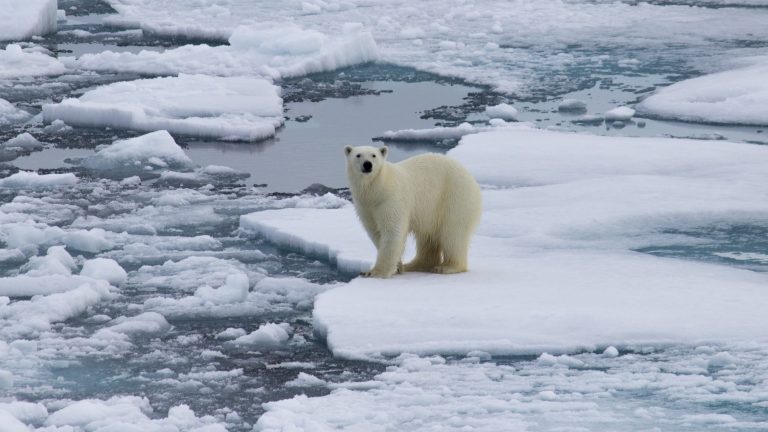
(229, 108)
(552, 267)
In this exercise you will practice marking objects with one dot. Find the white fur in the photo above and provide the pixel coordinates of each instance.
(430, 195)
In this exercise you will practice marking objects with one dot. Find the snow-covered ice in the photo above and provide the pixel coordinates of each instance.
(232, 108)
(29, 179)
(127, 157)
(502, 111)
(9, 114)
(24, 141)
(551, 266)
(22, 19)
(738, 96)
(272, 51)
(18, 62)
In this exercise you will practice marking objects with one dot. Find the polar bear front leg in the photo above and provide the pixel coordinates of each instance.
(390, 249)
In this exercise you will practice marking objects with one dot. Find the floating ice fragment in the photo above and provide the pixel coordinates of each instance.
(127, 157)
(306, 380)
(19, 63)
(502, 111)
(267, 336)
(33, 180)
(24, 141)
(231, 333)
(621, 114)
(611, 352)
(572, 105)
(105, 269)
(9, 114)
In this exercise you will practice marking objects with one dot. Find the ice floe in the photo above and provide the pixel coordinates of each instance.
(127, 157)
(737, 96)
(231, 108)
(274, 51)
(551, 266)
(9, 114)
(33, 180)
(18, 62)
(22, 19)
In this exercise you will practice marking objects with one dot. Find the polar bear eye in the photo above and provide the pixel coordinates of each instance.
(358, 155)
(374, 155)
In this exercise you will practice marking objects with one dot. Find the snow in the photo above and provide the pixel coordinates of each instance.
(737, 96)
(273, 51)
(552, 267)
(33, 180)
(232, 108)
(24, 63)
(9, 114)
(22, 19)
(502, 111)
(105, 269)
(133, 155)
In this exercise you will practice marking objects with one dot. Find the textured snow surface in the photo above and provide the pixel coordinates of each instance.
(551, 267)
(233, 108)
(272, 51)
(587, 392)
(17, 62)
(737, 96)
(22, 19)
(506, 45)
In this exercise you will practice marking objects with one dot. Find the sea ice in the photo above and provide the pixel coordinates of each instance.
(267, 336)
(24, 141)
(737, 96)
(272, 51)
(33, 180)
(22, 19)
(621, 114)
(516, 47)
(105, 269)
(231, 108)
(550, 268)
(502, 111)
(9, 114)
(126, 157)
(24, 63)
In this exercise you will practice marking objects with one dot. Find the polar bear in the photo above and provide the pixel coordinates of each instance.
(430, 195)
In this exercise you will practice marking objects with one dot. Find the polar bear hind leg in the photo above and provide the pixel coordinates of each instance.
(428, 255)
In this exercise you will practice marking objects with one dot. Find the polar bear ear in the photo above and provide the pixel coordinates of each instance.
(347, 150)
(383, 151)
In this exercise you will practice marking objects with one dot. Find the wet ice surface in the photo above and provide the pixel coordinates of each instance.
(179, 244)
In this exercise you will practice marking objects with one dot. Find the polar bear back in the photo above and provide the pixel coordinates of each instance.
(443, 194)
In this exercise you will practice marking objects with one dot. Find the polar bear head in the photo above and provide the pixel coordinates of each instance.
(365, 160)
